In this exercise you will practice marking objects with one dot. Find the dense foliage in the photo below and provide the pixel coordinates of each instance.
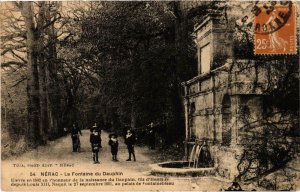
(120, 64)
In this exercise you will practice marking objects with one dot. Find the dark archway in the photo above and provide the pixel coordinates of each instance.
(226, 120)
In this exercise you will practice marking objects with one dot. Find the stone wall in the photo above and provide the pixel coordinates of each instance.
(245, 88)
(225, 101)
(225, 160)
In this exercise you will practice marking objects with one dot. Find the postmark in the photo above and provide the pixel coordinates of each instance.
(274, 28)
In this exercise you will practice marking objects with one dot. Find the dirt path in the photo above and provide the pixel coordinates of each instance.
(57, 156)
(61, 150)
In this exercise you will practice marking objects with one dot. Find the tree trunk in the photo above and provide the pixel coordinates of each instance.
(53, 93)
(133, 117)
(133, 104)
(44, 120)
(32, 132)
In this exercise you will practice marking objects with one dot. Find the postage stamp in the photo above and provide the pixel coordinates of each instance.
(275, 28)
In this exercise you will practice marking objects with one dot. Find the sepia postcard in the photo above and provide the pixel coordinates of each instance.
(150, 95)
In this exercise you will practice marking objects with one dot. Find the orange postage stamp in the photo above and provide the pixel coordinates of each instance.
(275, 28)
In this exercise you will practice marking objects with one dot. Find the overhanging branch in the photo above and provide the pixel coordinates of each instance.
(9, 63)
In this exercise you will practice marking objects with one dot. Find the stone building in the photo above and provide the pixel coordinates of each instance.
(228, 94)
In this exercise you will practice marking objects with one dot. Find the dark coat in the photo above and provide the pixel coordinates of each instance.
(130, 141)
(95, 142)
(114, 146)
(75, 131)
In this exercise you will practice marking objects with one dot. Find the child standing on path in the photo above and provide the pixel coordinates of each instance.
(114, 144)
(95, 143)
(130, 141)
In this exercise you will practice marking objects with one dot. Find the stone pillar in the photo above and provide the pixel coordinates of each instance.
(187, 129)
(235, 100)
(214, 108)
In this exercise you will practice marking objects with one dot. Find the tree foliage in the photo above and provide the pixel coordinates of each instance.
(121, 64)
(32, 31)
(129, 54)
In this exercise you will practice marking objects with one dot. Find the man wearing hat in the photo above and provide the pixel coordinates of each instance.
(95, 127)
(95, 144)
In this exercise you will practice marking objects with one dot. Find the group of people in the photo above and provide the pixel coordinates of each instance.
(95, 140)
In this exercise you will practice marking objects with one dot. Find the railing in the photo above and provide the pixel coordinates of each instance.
(243, 77)
(202, 82)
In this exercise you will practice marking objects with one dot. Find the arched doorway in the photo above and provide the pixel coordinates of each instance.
(226, 120)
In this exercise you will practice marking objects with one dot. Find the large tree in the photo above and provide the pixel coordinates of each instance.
(29, 41)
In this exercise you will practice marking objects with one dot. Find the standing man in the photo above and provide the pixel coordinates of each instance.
(95, 144)
(130, 141)
(75, 131)
(152, 136)
(95, 127)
